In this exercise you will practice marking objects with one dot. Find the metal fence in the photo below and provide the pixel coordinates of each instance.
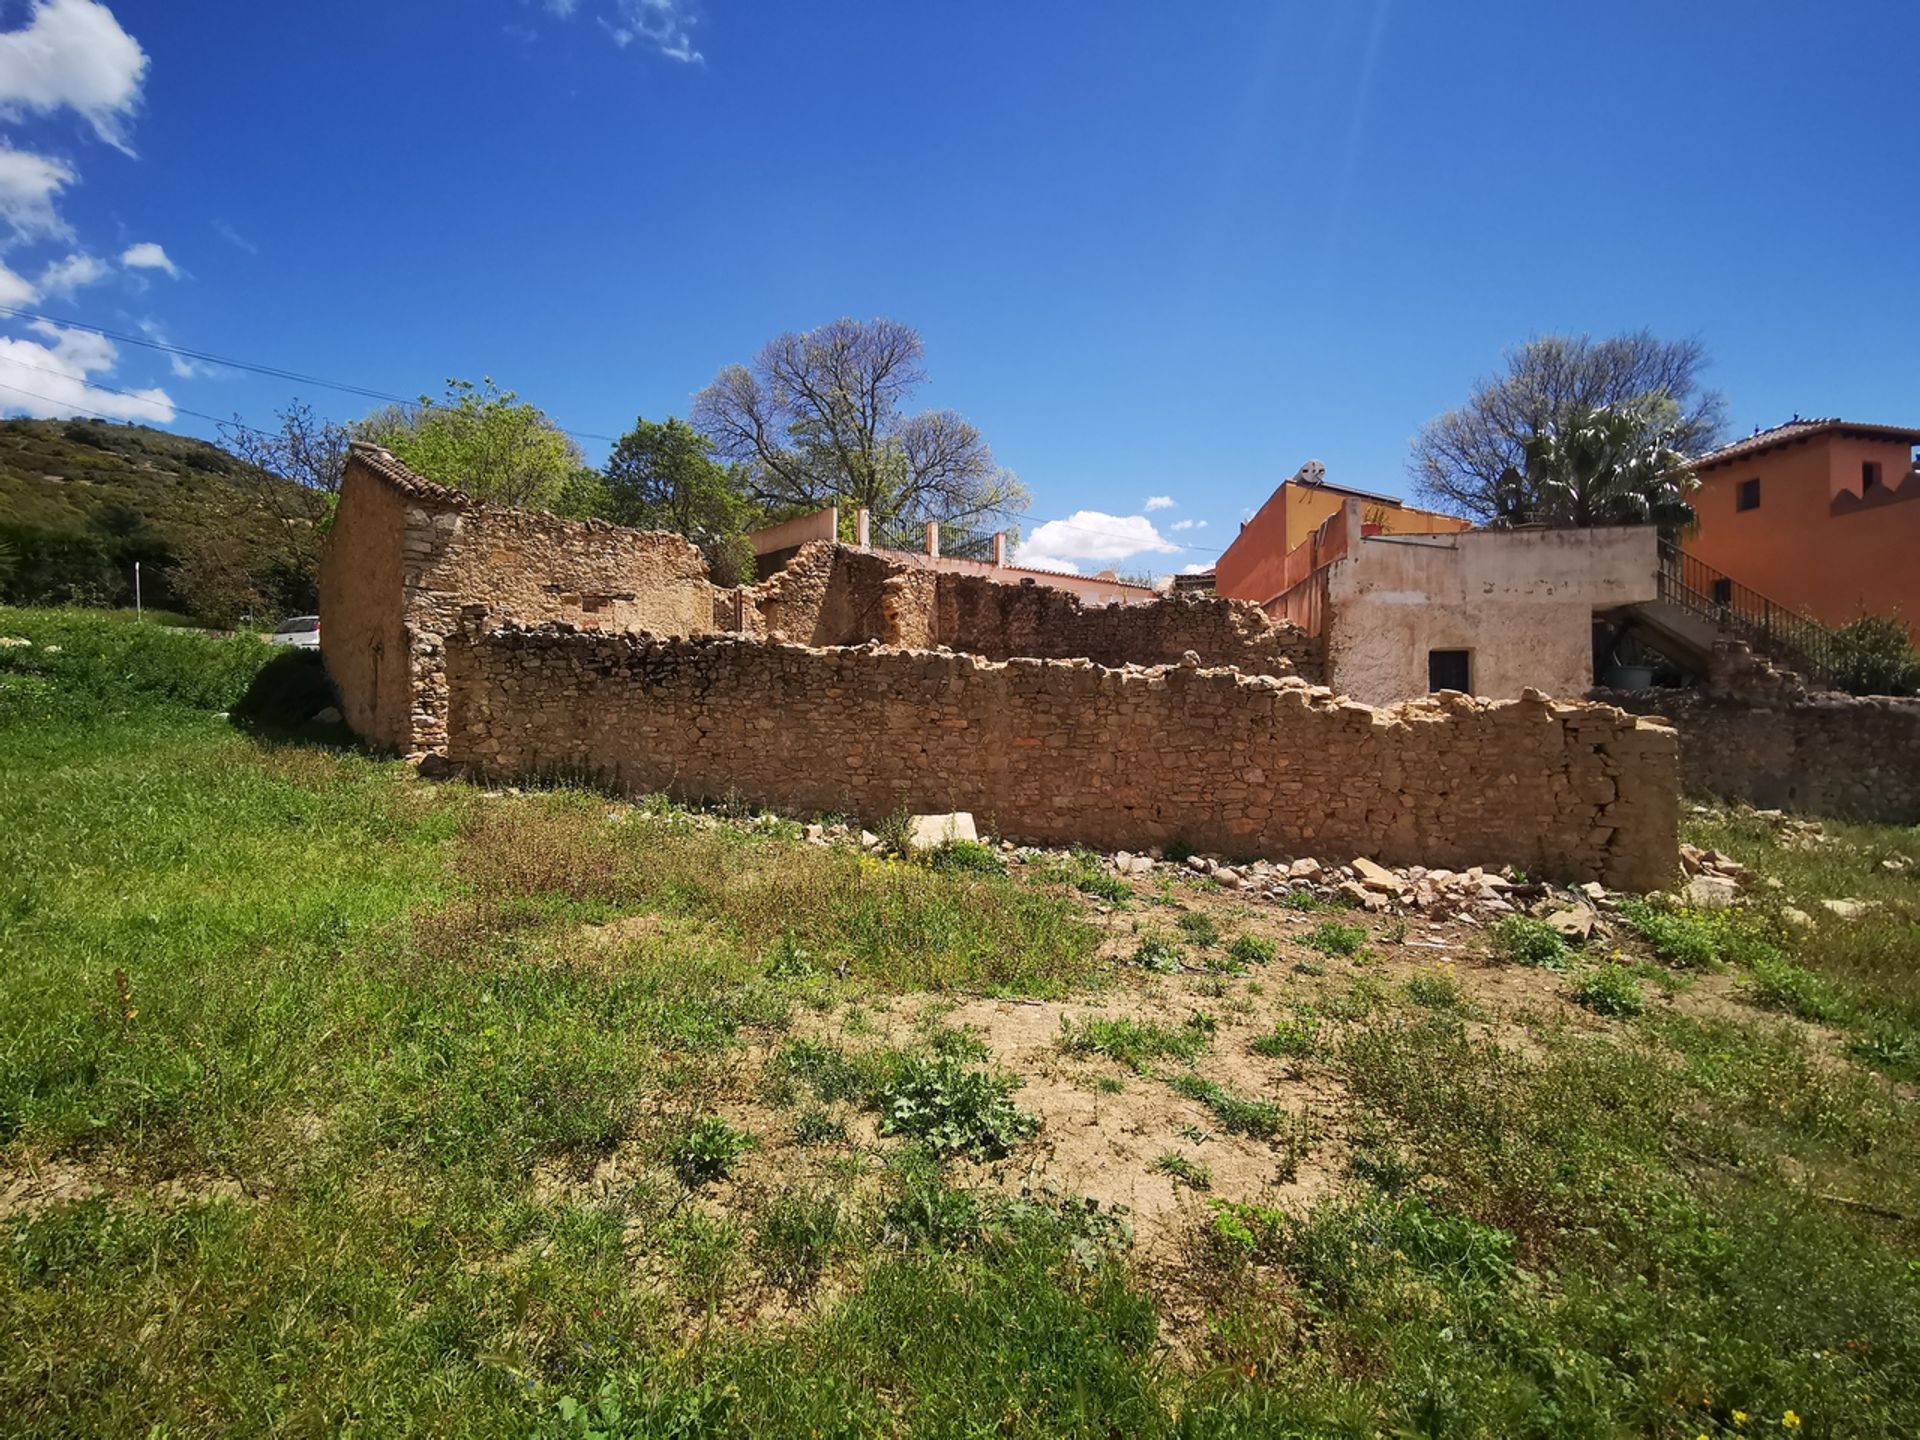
(1785, 635)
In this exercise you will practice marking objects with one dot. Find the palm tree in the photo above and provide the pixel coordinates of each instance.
(1611, 465)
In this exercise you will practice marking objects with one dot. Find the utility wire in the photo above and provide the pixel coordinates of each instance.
(368, 393)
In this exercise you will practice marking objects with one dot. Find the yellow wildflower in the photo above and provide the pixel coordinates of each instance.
(1789, 1421)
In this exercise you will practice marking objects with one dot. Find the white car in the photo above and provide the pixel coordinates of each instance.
(298, 630)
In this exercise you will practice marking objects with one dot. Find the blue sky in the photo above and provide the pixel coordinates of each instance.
(1155, 250)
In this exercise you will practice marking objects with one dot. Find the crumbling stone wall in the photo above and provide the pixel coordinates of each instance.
(1055, 751)
(1756, 733)
(405, 556)
(1003, 621)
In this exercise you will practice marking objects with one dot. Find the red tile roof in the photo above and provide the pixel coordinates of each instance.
(1797, 430)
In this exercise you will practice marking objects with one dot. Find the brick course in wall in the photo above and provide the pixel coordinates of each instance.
(1056, 751)
(1756, 733)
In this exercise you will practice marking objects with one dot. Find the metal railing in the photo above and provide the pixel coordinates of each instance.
(1784, 635)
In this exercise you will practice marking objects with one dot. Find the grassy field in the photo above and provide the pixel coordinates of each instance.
(336, 1102)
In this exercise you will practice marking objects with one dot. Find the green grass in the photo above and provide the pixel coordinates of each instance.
(1134, 1043)
(468, 1059)
(1330, 937)
(1523, 940)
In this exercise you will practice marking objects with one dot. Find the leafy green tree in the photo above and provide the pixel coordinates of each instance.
(1873, 655)
(1613, 465)
(819, 419)
(1461, 460)
(662, 476)
(481, 439)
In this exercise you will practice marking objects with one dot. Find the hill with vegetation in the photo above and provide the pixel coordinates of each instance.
(217, 539)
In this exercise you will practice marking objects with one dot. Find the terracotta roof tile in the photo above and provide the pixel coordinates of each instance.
(1796, 430)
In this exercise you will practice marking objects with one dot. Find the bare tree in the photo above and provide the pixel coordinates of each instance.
(817, 419)
(309, 451)
(1464, 460)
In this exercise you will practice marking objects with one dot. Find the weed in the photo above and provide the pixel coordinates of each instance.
(1290, 1039)
(1609, 990)
(1523, 940)
(1330, 937)
(789, 960)
(1438, 989)
(1779, 984)
(817, 1125)
(954, 1110)
(1159, 953)
(1132, 1042)
(1237, 1114)
(1199, 928)
(796, 1236)
(966, 857)
(1363, 997)
(1678, 937)
(1253, 949)
(707, 1150)
(1189, 1173)
(1308, 903)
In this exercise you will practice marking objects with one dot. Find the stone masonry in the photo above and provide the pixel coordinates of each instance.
(1756, 733)
(406, 556)
(1056, 751)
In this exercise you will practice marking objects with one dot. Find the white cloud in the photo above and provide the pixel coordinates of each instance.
(234, 238)
(74, 54)
(16, 289)
(63, 277)
(48, 380)
(1159, 502)
(1188, 525)
(1195, 569)
(148, 256)
(1092, 536)
(562, 8)
(665, 26)
(28, 185)
(181, 366)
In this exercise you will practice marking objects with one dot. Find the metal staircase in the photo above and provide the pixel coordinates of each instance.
(1698, 605)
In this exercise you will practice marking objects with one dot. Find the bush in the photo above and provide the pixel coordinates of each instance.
(1873, 656)
(1610, 990)
(954, 1110)
(1290, 1039)
(1525, 941)
(1198, 927)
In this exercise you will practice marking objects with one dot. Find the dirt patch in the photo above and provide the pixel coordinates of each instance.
(32, 1186)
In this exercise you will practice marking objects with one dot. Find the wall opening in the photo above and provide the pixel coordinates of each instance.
(1749, 496)
(1450, 670)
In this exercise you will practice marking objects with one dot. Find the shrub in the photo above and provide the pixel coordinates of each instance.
(1778, 983)
(1873, 656)
(1437, 989)
(707, 1150)
(1252, 949)
(1330, 937)
(954, 1110)
(1610, 990)
(1524, 940)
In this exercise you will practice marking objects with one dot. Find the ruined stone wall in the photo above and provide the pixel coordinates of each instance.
(1056, 751)
(1756, 733)
(406, 556)
(1004, 621)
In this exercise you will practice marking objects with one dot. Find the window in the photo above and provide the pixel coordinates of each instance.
(1749, 496)
(1869, 477)
(1450, 670)
(1723, 591)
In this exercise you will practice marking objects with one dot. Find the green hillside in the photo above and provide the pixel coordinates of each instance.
(81, 500)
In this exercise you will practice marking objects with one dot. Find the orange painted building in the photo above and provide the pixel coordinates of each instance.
(1820, 515)
(1254, 565)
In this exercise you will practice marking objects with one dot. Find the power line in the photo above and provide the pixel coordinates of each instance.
(367, 392)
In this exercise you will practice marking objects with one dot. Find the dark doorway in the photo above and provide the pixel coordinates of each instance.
(1450, 670)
